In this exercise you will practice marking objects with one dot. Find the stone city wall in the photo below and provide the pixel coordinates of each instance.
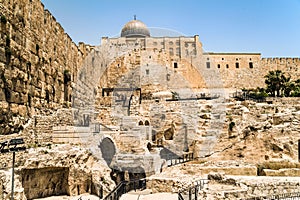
(38, 62)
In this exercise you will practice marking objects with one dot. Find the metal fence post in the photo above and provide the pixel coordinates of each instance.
(299, 150)
(101, 192)
(13, 176)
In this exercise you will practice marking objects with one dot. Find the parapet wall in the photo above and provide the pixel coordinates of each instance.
(291, 66)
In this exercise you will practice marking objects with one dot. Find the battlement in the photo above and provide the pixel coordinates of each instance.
(280, 60)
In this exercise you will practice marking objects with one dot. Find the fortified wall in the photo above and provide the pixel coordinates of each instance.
(38, 62)
(40, 65)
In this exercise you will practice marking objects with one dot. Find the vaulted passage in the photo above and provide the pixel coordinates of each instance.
(108, 150)
(45, 182)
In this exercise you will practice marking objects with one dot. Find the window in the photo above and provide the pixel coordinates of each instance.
(207, 58)
(227, 66)
(236, 59)
(237, 65)
(177, 43)
(219, 66)
(186, 44)
(170, 43)
(222, 58)
(168, 77)
(250, 65)
(147, 71)
(187, 52)
(250, 59)
(177, 51)
(207, 65)
(171, 51)
(154, 43)
(150, 57)
(175, 65)
(162, 43)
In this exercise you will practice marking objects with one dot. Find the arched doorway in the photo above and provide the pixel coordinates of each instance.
(108, 150)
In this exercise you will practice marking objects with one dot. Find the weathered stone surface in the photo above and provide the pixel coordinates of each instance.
(282, 172)
(56, 170)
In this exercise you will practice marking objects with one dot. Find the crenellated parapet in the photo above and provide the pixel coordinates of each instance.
(290, 66)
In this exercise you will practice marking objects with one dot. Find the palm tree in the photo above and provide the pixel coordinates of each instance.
(276, 81)
(296, 89)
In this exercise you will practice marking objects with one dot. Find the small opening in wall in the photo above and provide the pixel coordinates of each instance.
(147, 123)
(175, 65)
(250, 65)
(207, 58)
(227, 66)
(150, 57)
(237, 65)
(222, 58)
(207, 65)
(236, 59)
(219, 66)
(147, 71)
(250, 58)
(171, 51)
(168, 77)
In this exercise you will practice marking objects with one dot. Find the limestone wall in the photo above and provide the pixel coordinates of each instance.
(291, 66)
(54, 170)
(38, 61)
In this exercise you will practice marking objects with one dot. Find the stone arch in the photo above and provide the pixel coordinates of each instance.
(108, 149)
(169, 134)
(147, 123)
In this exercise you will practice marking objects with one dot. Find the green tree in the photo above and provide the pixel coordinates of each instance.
(296, 89)
(276, 83)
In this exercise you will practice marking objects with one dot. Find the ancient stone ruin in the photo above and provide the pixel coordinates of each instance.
(138, 107)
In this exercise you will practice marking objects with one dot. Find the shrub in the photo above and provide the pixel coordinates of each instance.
(3, 19)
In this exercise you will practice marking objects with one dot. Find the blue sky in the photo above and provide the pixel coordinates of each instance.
(270, 27)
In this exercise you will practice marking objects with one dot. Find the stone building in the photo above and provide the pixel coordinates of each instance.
(42, 68)
(201, 69)
(135, 98)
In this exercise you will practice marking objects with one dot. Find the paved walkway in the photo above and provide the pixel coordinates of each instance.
(83, 197)
(159, 196)
(143, 195)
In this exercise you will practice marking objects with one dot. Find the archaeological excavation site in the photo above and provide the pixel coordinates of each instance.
(140, 117)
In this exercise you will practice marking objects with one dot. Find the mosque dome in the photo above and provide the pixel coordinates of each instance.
(135, 28)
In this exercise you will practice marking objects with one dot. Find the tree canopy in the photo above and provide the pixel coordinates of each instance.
(278, 84)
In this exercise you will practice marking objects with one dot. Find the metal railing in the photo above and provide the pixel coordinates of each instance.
(192, 192)
(124, 187)
(179, 160)
(286, 196)
(246, 96)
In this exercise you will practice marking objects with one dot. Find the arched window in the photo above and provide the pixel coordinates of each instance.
(147, 123)
(141, 123)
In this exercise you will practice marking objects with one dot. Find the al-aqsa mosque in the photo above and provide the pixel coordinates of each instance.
(184, 55)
